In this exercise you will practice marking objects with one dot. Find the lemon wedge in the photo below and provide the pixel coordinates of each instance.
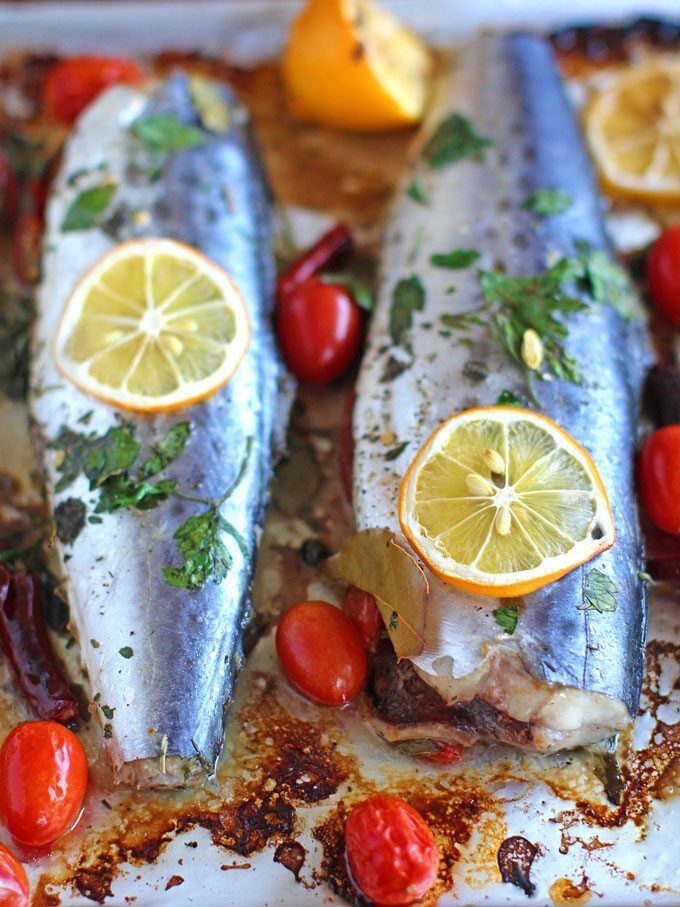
(501, 501)
(351, 65)
(633, 130)
(153, 326)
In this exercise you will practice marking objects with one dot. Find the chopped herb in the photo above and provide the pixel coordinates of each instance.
(475, 370)
(107, 710)
(86, 208)
(548, 202)
(417, 191)
(69, 517)
(507, 398)
(95, 519)
(456, 259)
(507, 618)
(644, 577)
(464, 321)
(360, 290)
(531, 303)
(126, 652)
(408, 297)
(16, 320)
(455, 138)
(200, 542)
(108, 732)
(599, 592)
(394, 621)
(123, 491)
(167, 450)
(393, 368)
(607, 281)
(210, 103)
(162, 134)
(397, 451)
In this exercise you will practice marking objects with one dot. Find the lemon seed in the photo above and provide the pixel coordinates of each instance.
(503, 521)
(532, 349)
(478, 485)
(494, 461)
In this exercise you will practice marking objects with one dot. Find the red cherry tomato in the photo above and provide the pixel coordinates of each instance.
(362, 610)
(663, 273)
(43, 776)
(392, 854)
(449, 754)
(319, 328)
(321, 653)
(9, 193)
(25, 247)
(660, 478)
(72, 84)
(13, 880)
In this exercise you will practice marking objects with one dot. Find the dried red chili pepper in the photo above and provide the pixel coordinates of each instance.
(332, 243)
(27, 646)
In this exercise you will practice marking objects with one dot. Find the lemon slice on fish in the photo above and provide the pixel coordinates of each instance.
(501, 501)
(153, 326)
(633, 130)
(349, 64)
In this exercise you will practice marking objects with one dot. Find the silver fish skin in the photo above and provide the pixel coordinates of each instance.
(566, 676)
(168, 700)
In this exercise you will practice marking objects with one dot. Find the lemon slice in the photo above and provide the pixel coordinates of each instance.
(633, 129)
(351, 65)
(153, 326)
(501, 501)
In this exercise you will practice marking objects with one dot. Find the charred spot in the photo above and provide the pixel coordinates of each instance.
(515, 858)
(333, 871)
(94, 881)
(291, 854)
(603, 44)
(256, 821)
(173, 882)
(69, 516)
(306, 771)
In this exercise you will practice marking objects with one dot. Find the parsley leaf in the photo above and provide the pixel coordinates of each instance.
(408, 297)
(417, 191)
(454, 138)
(122, 491)
(456, 259)
(507, 618)
(397, 451)
(507, 398)
(126, 651)
(199, 540)
(109, 455)
(167, 450)
(525, 303)
(599, 592)
(162, 134)
(85, 210)
(360, 290)
(607, 281)
(463, 321)
(548, 202)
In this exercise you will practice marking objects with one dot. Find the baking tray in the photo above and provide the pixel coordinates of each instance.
(633, 864)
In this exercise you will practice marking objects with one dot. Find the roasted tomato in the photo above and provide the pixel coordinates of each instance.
(663, 273)
(321, 653)
(13, 880)
(72, 84)
(362, 610)
(319, 327)
(391, 852)
(660, 478)
(43, 776)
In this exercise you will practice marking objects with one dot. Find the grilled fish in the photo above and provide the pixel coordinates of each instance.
(568, 675)
(162, 661)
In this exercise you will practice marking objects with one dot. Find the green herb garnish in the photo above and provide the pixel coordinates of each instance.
(200, 542)
(167, 450)
(507, 618)
(107, 710)
(69, 518)
(162, 134)
(454, 138)
(607, 281)
(548, 202)
(599, 592)
(408, 297)
(531, 303)
(417, 191)
(456, 259)
(363, 296)
(507, 398)
(126, 652)
(397, 451)
(86, 210)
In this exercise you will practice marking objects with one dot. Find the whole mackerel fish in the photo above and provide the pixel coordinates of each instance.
(162, 661)
(568, 674)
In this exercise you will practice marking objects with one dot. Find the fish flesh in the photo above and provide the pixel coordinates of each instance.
(162, 660)
(568, 675)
